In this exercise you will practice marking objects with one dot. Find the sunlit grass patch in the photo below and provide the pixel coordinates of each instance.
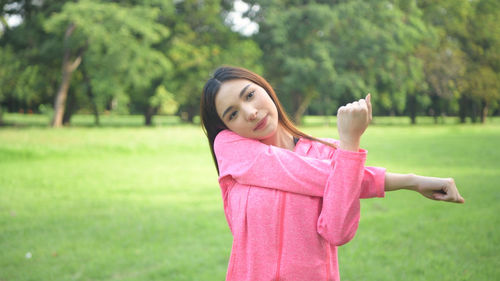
(134, 203)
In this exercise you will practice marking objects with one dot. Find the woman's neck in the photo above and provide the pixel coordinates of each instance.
(281, 138)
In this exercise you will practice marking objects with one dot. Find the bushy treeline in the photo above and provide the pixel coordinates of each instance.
(426, 57)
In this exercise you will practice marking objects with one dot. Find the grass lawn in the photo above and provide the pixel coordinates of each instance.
(134, 203)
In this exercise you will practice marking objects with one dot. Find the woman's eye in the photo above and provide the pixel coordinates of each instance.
(250, 94)
(231, 117)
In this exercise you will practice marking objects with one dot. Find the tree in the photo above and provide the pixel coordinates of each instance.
(137, 56)
(483, 48)
(444, 60)
(200, 42)
(69, 65)
(465, 63)
(10, 66)
(376, 41)
(28, 58)
(339, 51)
(116, 43)
(296, 51)
(444, 68)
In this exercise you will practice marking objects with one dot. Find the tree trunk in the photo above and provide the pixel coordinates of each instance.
(188, 113)
(148, 115)
(304, 103)
(436, 107)
(71, 107)
(473, 111)
(462, 110)
(484, 111)
(412, 108)
(90, 94)
(68, 68)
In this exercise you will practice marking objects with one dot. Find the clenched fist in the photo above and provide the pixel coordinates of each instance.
(443, 189)
(352, 120)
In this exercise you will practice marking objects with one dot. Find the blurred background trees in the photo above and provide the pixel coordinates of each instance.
(425, 57)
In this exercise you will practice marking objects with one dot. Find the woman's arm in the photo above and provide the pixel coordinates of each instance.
(340, 211)
(251, 162)
(442, 189)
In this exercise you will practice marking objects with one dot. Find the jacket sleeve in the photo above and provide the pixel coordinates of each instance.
(251, 162)
(340, 211)
(373, 184)
(341, 179)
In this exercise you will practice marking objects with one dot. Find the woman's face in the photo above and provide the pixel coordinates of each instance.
(247, 109)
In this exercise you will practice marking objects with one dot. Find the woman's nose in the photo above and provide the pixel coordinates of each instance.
(251, 113)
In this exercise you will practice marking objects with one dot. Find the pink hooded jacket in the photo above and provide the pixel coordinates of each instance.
(289, 210)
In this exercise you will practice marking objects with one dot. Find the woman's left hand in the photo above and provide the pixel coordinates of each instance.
(442, 189)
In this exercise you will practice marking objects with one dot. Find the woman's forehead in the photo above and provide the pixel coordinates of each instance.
(231, 90)
(234, 86)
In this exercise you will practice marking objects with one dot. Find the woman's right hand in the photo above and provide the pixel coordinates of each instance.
(352, 121)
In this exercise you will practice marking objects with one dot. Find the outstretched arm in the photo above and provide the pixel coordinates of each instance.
(442, 189)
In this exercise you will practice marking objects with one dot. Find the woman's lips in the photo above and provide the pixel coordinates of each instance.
(262, 123)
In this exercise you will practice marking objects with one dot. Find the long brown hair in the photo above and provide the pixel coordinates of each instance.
(210, 120)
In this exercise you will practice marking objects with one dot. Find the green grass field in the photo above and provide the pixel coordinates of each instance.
(123, 202)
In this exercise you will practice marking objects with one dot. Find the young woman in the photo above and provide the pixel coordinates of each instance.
(290, 199)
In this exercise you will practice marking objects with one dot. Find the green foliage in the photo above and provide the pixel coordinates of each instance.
(375, 42)
(296, 52)
(22, 80)
(10, 66)
(415, 57)
(467, 53)
(483, 48)
(119, 40)
(483, 83)
(33, 65)
(341, 51)
(164, 101)
(200, 42)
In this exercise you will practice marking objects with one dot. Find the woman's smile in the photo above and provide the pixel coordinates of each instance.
(262, 123)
